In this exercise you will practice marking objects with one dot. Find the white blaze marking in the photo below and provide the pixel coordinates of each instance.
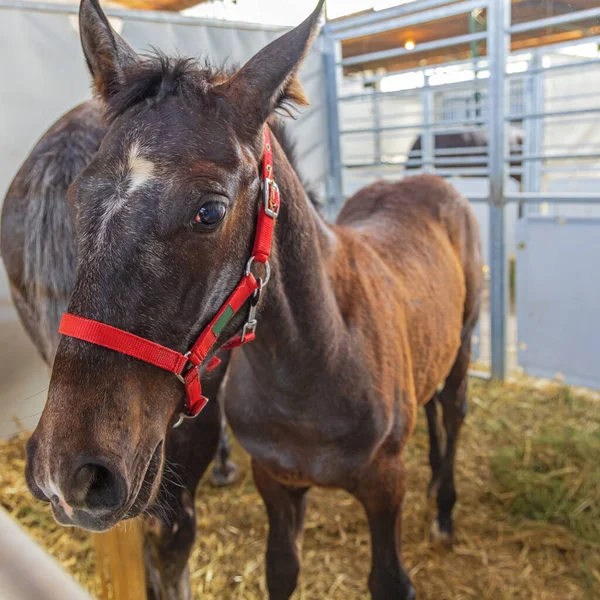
(137, 172)
(140, 169)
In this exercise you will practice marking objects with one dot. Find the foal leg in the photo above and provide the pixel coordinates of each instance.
(171, 522)
(435, 444)
(225, 471)
(453, 399)
(285, 509)
(381, 491)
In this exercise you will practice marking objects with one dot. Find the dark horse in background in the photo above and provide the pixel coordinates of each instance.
(464, 150)
(359, 325)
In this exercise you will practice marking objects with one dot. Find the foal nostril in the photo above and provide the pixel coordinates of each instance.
(96, 486)
(32, 450)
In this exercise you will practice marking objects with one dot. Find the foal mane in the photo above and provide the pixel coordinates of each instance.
(158, 76)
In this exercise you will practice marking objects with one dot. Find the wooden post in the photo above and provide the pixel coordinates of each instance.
(120, 562)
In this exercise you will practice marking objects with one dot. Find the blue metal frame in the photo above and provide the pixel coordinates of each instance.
(334, 191)
(498, 50)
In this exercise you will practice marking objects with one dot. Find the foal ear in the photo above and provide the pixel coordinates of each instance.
(107, 54)
(268, 80)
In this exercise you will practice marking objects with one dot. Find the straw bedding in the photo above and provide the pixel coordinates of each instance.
(527, 519)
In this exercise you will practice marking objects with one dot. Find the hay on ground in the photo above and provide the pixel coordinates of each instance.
(526, 520)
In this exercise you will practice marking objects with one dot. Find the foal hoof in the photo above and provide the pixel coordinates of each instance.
(224, 475)
(439, 538)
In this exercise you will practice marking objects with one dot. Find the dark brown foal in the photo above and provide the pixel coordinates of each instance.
(358, 325)
(39, 256)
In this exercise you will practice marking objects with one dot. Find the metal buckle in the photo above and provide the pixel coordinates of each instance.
(182, 415)
(252, 322)
(267, 185)
(267, 273)
(185, 369)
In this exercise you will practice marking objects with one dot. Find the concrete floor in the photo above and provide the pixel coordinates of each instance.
(23, 375)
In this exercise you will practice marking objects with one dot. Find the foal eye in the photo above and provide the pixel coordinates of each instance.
(210, 214)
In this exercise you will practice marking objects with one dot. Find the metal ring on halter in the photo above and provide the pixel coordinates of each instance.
(180, 375)
(181, 418)
(267, 269)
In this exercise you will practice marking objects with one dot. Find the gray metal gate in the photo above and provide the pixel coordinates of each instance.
(511, 97)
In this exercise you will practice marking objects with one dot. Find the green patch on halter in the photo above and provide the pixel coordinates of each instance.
(222, 320)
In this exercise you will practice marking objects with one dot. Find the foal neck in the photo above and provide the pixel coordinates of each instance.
(299, 321)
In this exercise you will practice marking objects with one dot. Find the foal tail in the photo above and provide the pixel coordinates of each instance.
(39, 197)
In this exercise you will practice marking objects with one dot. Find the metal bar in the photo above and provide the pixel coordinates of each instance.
(369, 165)
(388, 128)
(453, 151)
(449, 153)
(591, 145)
(377, 123)
(552, 47)
(425, 16)
(579, 15)
(569, 121)
(534, 129)
(468, 85)
(477, 198)
(467, 171)
(383, 15)
(450, 161)
(394, 52)
(498, 51)
(139, 15)
(558, 198)
(553, 113)
(571, 169)
(422, 125)
(427, 135)
(536, 157)
(582, 63)
(335, 190)
(378, 76)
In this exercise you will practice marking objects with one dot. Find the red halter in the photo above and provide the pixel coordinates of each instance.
(187, 366)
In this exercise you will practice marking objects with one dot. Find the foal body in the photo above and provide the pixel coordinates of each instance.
(365, 320)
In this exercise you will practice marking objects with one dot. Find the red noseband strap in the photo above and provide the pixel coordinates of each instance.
(187, 366)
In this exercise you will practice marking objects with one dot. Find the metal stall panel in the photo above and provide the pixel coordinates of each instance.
(558, 289)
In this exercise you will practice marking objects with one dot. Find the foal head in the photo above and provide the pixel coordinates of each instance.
(164, 217)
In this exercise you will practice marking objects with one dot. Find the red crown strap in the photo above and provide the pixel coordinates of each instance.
(269, 208)
(267, 161)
